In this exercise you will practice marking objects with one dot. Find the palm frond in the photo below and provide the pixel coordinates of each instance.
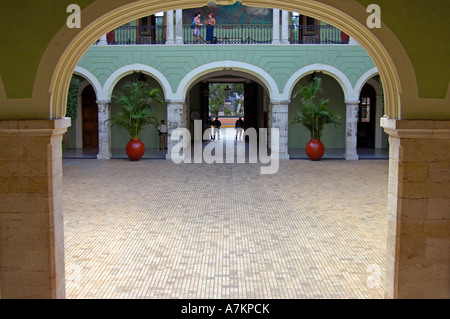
(137, 100)
(314, 117)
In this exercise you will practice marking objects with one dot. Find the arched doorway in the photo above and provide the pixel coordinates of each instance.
(366, 118)
(249, 98)
(89, 117)
(149, 136)
(334, 137)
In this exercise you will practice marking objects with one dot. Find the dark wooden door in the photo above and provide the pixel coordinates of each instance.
(146, 30)
(366, 118)
(308, 30)
(89, 118)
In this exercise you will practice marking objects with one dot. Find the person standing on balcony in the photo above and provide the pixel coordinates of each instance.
(197, 24)
(210, 23)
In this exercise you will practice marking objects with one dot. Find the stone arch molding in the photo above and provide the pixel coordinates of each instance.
(364, 79)
(91, 79)
(114, 15)
(251, 69)
(115, 77)
(349, 93)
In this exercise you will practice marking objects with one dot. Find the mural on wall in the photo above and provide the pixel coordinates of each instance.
(236, 13)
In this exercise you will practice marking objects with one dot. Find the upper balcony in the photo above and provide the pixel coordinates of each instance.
(173, 29)
(227, 34)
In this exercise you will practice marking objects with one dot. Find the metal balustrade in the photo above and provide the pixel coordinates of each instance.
(230, 34)
(317, 34)
(227, 34)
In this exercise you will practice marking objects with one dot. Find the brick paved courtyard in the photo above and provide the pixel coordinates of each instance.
(155, 229)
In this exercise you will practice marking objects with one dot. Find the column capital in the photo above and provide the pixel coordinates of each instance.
(173, 102)
(34, 127)
(416, 128)
(280, 102)
(103, 102)
(351, 102)
(280, 107)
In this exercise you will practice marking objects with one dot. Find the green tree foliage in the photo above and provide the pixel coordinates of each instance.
(218, 95)
(72, 97)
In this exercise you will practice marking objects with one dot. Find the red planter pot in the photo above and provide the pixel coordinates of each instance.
(315, 149)
(135, 149)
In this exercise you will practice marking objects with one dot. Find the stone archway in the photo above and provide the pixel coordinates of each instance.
(178, 107)
(131, 68)
(398, 76)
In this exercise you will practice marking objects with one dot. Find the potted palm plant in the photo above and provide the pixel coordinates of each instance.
(137, 99)
(314, 117)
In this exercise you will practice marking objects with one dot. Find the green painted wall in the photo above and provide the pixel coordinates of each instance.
(175, 62)
(422, 29)
(26, 29)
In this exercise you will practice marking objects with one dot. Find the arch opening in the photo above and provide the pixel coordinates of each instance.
(380, 56)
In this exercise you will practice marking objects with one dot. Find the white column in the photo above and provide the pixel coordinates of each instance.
(103, 40)
(104, 130)
(169, 29)
(280, 121)
(285, 27)
(179, 26)
(175, 119)
(276, 27)
(351, 125)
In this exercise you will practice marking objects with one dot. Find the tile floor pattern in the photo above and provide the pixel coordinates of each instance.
(155, 229)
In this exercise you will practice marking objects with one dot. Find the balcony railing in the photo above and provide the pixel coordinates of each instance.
(227, 34)
(317, 34)
(230, 34)
(135, 35)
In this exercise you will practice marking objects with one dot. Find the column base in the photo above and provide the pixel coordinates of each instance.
(283, 156)
(351, 157)
(104, 156)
